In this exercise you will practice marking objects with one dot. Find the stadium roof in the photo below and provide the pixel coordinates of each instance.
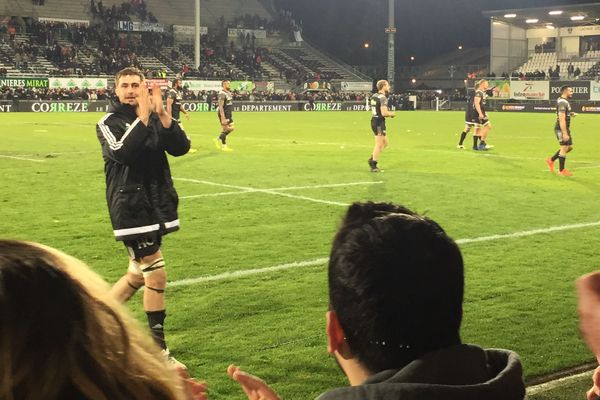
(561, 16)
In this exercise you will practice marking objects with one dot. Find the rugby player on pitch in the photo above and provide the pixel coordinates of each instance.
(562, 130)
(379, 109)
(224, 113)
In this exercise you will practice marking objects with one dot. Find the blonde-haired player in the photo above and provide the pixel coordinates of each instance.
(380, 111)
(483, 124)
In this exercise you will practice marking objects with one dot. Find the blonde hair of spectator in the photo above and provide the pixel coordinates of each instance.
(63, 335)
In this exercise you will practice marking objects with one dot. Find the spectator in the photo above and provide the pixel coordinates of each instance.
(588, 290)
(63, 336)
(395, 300)
(570, 70)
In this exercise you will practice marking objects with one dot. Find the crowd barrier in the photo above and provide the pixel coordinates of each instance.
(55, 106)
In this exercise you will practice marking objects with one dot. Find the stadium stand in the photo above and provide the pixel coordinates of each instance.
(56, 9)
(181, 12)
(79, 38)
(465, 62)
(541, 62)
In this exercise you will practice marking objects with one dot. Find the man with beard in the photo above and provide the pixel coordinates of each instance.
(135, 136)
(562, 131)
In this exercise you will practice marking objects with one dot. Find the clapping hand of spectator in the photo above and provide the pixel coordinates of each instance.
(195, 390)
(254, 387)
(588, 291)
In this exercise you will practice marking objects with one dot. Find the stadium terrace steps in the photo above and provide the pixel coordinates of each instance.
(181, 12)
(63, 9)
(154, 63)
(37, 66)
(543, 61)
(345, 71)
(465, 61)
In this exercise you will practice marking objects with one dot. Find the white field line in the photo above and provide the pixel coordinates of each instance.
(249, 272)
(22, 158)
(492, 155)
(282, 189)
(245, 189)
(531, 232)
(590, 167)
(577, 168)
(319, 261)
(543, 387)
(293, 142)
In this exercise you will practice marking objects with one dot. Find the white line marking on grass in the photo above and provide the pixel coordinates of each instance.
(318, 261)
(491, 154)
(590, 167)
(294, 142)
(544, 387)
(196, 196)
(291, 196)
(330, 185)
(283, 189)
(529, 232)
(249, 272)
(22, 158)
(245, 189)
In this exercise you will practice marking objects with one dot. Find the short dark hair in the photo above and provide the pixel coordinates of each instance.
(224, 80)
(564, 88)
(396, 284)
(129, 71)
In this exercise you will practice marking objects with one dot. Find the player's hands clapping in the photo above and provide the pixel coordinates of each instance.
(144, 108)
(157, 100)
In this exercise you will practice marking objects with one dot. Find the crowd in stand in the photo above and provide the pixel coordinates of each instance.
(122, 12)
(63, 43)
(547, 47)
(396, 101)
(7, 93)
(66, 46)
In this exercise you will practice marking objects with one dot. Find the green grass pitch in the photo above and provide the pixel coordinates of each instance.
(278, 198)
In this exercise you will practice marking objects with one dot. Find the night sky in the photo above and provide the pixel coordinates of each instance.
(426, 28)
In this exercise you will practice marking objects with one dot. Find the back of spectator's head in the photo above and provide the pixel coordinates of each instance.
(129, 71)
(62, 335)
(395, 285)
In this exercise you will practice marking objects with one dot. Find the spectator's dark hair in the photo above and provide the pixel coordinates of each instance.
(396, 285)
(563, 89)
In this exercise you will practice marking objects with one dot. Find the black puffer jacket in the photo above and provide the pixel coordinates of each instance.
(139, 189)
